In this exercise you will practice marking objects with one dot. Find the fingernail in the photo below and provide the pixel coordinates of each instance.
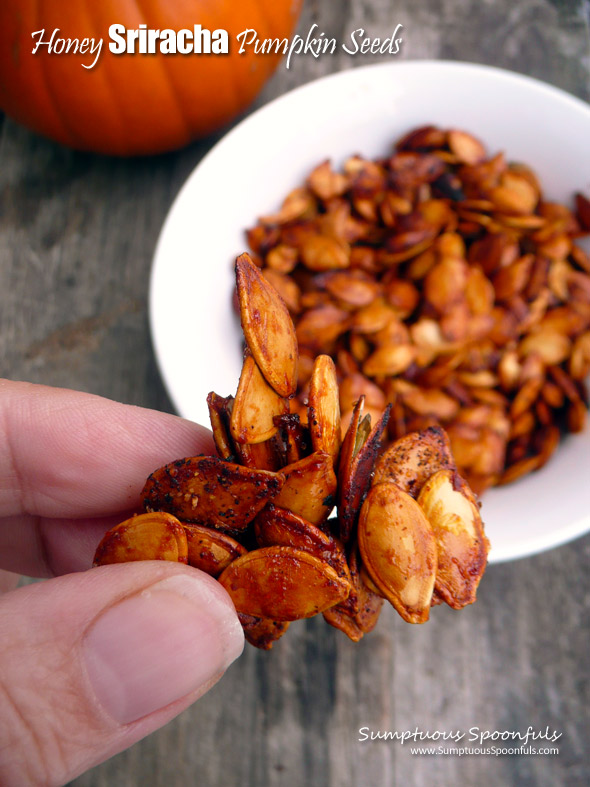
(160, 645)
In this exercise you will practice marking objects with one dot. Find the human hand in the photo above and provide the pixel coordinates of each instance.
(91, 662)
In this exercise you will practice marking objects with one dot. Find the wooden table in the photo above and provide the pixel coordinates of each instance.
(77, 234)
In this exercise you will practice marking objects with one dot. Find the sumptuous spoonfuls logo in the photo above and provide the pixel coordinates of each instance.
(474, 741)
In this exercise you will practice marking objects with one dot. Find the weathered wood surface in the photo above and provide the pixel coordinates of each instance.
(77, 234)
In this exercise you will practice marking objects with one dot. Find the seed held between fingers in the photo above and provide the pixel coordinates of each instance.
(257, 516)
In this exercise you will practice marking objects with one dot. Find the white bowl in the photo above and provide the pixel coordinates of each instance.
(195, 332)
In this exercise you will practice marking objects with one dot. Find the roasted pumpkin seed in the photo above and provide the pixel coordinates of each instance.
(324, 408)
(151, 536)
(255, 407)
(207, 490)
(412, 459)
(209, 550)
(310, 487)
(458, 530)
(267, 327)
(399, 550)
(283, 583)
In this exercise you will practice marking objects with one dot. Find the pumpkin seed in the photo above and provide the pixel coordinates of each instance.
(276, 526)
(412, 459)
(458, 530)
(151, 536)
(357, 463)
(399, 550)
(262, 632)
(283, 583)
(267, 327)
(324, 408)
(309, 488)
(209, 550)
(207, 490)
(255, 406)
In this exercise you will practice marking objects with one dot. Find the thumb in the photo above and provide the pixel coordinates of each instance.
(92, 662)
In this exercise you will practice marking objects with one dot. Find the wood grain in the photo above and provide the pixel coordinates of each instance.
(77, 234)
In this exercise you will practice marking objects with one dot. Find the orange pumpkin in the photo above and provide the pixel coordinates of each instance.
(133, 104)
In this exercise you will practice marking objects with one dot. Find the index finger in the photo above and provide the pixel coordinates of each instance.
(70, 454)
